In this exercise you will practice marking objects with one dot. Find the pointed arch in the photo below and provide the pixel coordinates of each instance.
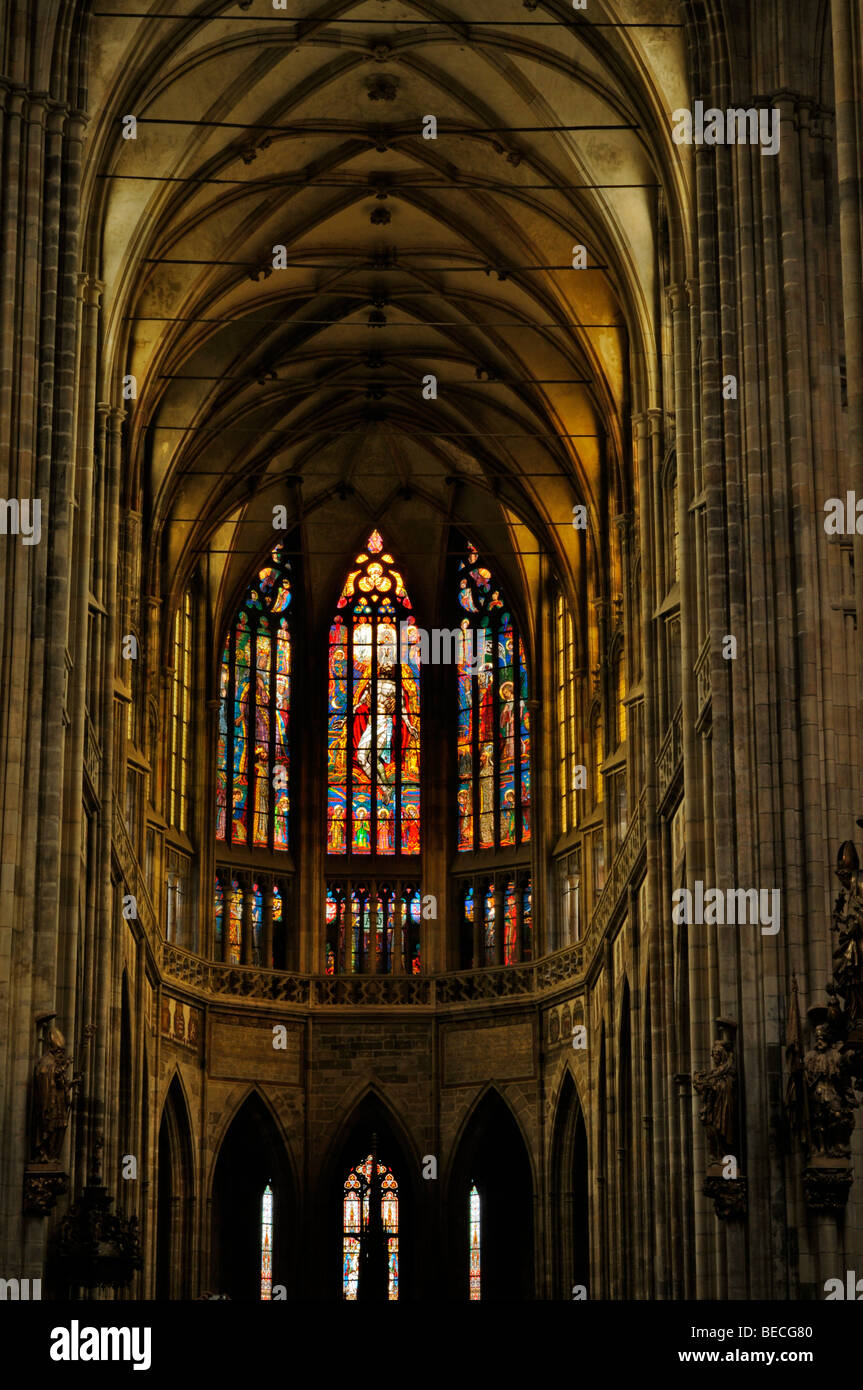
(372, 1118)
(253, 744)
(569, 1197)
(174, 1195)
(126, 1071)
(491, 1154)
(494, 735)
(253, 1156)
(626, 1235)
(373, 708)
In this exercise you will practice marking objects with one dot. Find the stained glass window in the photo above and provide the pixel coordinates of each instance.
(267, 1243)
(220, 918)
(368, 924)
(252, 784)
(510, 925)
(493, 717)
(357, 1197)
(489, 925)
(475, 1246)
(257, 923)
(235, 922)
(567, 732)
(373, 765)
(527, 921)
(181, 695)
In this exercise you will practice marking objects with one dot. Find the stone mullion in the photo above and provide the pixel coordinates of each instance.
(245, 878)
(267, 884)
(498, 920)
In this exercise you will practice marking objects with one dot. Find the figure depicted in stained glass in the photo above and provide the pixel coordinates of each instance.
(373, 762)
(252, 782)
(493, 752)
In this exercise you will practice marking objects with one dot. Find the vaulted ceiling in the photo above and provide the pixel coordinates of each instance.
(405, 257)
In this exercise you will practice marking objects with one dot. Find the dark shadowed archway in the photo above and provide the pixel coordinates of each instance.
(569, 1198)
(372, 1121)
(252, 1156)
(492, 1157)
(174, 1197)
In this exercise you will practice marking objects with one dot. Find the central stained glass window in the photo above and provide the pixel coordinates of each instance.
(373, 765)
(356, 1223)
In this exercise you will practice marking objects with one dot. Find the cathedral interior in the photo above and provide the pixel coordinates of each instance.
(430, 690)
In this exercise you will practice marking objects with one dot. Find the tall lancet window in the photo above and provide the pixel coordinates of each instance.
(267, 1243)
(370, 1242)
(373, 767)
(493, 717)
(252, 786)
(181, 704)
(474, 1246)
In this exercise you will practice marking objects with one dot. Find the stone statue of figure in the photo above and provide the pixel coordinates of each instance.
(53, 1089)
(830, 1095)
(848, 925)
(718, 1089)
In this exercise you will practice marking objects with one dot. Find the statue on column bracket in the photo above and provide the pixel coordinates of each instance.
(719, 1093)
(53, 1093)
(819, 1102)
(847, 923)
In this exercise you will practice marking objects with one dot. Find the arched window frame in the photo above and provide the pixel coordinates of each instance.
(483, 822)
(261, 631)
(566, 714)
(355, 1220)
(374, 598)
(180, 756)
(671, 521)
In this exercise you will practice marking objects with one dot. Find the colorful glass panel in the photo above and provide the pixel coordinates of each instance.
(475, 1246)
(235, 922)
(252, 779)
(355, 1225)
(373, 745)
(510, 925)
(489, 925)
(493, 737)
(220, 917)
(267, 1243)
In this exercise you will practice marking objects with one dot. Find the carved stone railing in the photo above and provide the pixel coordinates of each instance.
(332, 991)
(702, 677)
(621, 871)
(238, 981)
(471, 986)
(132, 875)
(670, 754)
(372, 989)
(558, 969)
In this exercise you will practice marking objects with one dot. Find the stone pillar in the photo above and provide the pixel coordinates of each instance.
(397, 965)
(267, 885)
(498, 923)
(478, 933)
(245, 880)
